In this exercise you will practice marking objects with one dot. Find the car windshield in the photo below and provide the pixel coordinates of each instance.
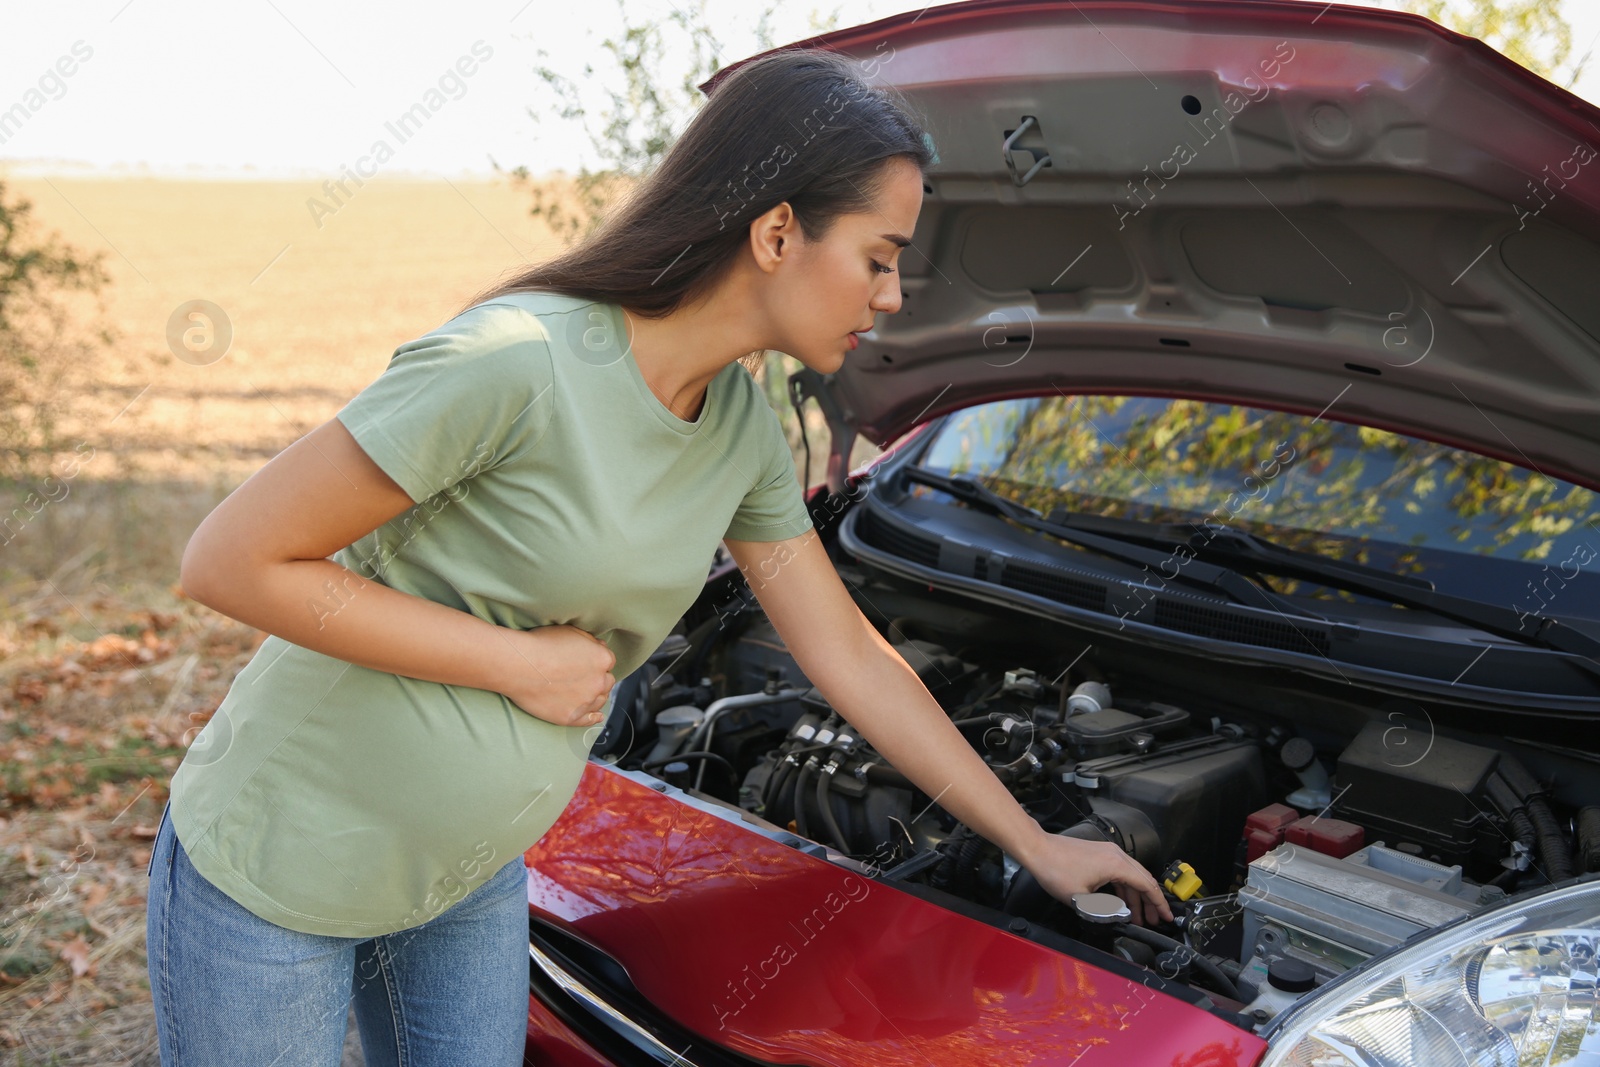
(1474, 526)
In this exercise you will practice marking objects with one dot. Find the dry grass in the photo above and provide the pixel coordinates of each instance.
(101, 694)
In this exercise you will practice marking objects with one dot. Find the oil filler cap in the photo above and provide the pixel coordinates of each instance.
(1100, 908)
(1291, 976)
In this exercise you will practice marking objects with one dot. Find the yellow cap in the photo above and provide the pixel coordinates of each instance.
(1181, 881)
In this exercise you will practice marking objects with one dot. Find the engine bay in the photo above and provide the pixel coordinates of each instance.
(1295, 838)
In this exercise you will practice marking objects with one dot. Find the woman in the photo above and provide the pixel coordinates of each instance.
(517, 511)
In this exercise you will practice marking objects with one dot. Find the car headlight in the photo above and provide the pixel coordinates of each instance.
(1511, 986)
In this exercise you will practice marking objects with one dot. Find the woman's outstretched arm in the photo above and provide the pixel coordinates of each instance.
(262, 557)
(874, 689)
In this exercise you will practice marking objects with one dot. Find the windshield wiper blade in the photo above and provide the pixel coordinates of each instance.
(1406, 591)
(1207, 576)
(1256, 548)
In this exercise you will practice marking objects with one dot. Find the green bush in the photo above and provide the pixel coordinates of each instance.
(42, 348)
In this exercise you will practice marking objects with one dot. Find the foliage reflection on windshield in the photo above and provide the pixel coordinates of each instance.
(1342, 490)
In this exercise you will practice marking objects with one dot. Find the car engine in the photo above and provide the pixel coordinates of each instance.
(1292, 846)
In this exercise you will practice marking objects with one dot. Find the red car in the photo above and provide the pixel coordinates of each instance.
(1245, 401)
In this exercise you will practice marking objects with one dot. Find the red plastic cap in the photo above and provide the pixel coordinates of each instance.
(1264, 829)
(1259, 842)
(1331, 837)
(1274, 818)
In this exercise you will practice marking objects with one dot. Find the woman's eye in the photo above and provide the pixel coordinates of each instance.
(882, 268)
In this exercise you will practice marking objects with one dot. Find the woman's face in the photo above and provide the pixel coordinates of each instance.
(821, 292)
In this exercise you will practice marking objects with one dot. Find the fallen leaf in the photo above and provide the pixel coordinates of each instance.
(76, 954)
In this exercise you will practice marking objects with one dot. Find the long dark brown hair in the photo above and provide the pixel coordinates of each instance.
(798, 125)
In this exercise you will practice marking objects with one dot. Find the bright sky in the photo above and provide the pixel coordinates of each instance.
(294, 88)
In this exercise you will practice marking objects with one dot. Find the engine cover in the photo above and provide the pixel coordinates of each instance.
(1195, 793)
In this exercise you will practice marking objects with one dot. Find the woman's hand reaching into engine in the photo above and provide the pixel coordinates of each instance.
(877, 692)
(1066, 865)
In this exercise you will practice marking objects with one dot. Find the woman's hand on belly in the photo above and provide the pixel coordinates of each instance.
(560, 674)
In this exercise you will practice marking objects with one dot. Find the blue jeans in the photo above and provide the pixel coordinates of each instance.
(232, 988)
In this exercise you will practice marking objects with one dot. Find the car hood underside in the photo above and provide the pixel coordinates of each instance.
(1327, 210)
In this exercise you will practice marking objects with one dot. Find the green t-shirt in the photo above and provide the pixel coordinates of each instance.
(552, 487)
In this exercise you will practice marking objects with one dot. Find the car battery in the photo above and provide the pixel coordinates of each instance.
(1333, 913)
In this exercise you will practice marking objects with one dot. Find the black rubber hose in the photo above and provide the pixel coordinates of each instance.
(800, 798)
(957, 855)
(1522, 832)
(775, 782)
(965, 875)
(1552, 842)
(1221, 982)
(783, 798)
(1515, 809)
(1522, 829)
(777, 788)
(774, 777)
(830, 723)
(824, 798)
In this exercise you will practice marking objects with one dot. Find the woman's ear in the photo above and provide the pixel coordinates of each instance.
(773, 236)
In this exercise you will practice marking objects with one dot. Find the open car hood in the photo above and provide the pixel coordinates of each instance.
(1282, 204)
